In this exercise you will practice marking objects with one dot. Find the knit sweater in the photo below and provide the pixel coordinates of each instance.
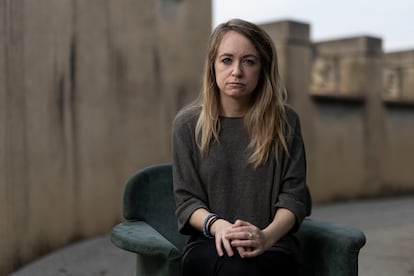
(225, 183)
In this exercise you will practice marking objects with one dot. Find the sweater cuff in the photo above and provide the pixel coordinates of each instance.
(297, 207)
(184, 213)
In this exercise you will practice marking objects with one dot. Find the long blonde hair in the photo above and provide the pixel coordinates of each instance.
(265, 121)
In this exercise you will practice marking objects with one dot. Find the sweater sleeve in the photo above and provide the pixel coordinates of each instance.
(189, 192)
(293, 191)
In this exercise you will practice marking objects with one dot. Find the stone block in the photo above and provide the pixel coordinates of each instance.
(288, 31)
(340, 67)
(398, 78)
(361, 46)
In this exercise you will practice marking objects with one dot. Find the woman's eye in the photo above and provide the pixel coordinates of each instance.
(226, 60)
(249, 62)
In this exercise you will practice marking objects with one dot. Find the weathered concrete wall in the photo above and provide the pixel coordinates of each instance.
(398, 95)
(88, 90)
(357, 111)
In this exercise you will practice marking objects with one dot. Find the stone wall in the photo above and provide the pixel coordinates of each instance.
(357, 110)
(88, 91)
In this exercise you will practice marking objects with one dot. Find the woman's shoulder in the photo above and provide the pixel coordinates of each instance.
(291, 114)
(187, 115)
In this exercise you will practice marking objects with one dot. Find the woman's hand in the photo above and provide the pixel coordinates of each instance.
(249, 240)
(219, 230)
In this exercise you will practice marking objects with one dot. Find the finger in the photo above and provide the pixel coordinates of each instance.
(244, 243)
(244, 233)
(240, 235)
(252, 253)
(246, 252)
(241, 251)
(240, 222)
(218, 246)
(241, 228)
(227, 247)
(235, 235)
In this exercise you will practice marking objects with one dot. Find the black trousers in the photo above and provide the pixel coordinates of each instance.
(202, 260)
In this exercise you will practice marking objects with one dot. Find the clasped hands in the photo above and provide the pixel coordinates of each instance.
(245, 237)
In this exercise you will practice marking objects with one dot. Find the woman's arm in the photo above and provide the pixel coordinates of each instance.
(189, 192)
(282, 223)
(198, 217)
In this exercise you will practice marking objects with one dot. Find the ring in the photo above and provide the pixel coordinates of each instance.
(250, 235)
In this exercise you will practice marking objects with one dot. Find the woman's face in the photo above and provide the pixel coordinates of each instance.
(237, 67)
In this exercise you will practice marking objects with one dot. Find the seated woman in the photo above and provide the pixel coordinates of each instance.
(239, 163)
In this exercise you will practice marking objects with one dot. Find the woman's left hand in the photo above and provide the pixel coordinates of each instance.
(249, 240)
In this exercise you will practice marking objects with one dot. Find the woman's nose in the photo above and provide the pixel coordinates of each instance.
(237, 69)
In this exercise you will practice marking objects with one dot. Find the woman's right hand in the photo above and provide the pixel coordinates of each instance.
(219, 230)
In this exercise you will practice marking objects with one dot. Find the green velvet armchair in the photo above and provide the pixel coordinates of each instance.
(150, 231)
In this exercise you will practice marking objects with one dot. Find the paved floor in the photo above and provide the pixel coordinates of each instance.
(387, 223)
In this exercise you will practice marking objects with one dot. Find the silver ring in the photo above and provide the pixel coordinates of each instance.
(250, 235)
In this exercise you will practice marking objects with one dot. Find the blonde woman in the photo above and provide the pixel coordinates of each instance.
(239, 163)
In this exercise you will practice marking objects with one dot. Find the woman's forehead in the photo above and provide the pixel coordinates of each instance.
(234, 43)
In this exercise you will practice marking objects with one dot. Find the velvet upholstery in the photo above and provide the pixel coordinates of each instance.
(151, 232)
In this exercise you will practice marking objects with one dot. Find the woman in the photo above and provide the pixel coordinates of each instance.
(239, 163)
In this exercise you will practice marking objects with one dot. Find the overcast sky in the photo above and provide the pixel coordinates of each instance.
(392, 21)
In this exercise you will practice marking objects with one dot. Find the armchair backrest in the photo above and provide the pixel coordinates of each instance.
(149, 197)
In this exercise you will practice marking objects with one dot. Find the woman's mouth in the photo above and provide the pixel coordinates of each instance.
(236, 84)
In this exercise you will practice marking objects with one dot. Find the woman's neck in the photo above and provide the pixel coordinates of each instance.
(233, 108)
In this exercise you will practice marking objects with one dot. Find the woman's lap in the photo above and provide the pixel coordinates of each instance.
(202, 259)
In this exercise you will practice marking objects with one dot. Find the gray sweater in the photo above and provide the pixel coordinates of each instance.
(225, 183)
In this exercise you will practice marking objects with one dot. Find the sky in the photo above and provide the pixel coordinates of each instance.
(392, 21)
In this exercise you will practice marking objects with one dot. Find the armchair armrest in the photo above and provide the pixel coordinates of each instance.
(330, 248)
(141, 238)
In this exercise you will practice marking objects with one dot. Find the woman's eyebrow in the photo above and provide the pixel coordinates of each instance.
(251, 56)
(226, 55)
(245, 56)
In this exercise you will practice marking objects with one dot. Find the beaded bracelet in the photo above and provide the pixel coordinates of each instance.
(207, 234)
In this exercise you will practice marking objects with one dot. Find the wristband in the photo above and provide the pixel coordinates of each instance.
(210, 223)
(206, 234)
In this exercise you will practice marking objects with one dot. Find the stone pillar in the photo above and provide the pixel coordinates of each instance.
(398, 97)
(372, 62)
(346, 90)
(293, 47)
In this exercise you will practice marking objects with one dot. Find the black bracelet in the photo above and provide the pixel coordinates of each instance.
(205, 224)
(210, 223)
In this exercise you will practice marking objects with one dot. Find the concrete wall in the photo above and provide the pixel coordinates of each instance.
(88, 90)
(357, 110)
(398, 96)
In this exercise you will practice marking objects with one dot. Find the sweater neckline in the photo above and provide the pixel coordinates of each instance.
(230, 118)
